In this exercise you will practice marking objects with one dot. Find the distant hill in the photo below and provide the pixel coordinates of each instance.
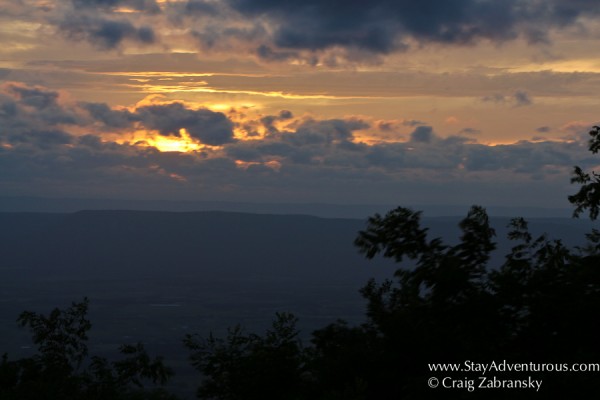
(212, 244)
(362, 211)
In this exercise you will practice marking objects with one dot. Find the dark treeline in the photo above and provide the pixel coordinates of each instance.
(446, 305)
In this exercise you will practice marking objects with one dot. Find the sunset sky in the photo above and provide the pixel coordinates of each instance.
(377, 102)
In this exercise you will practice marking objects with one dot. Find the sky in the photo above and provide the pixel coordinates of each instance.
(401, 102)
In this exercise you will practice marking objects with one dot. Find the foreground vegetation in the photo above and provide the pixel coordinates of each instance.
(445, 304)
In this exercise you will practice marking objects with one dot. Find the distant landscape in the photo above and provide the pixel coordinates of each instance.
(327, 210)
(299, 200)
(155, 276)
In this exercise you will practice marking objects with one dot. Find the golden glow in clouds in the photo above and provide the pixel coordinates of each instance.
(182, 144)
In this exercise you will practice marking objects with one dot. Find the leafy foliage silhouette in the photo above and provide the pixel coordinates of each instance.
(244, 366)
(444, 304)
(62, 369)
(588, 196)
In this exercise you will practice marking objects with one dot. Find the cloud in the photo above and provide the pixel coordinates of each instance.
(331, 143)
(470, 131)
(269, 120)
(33, 120)
(33, 96)
(494, 98)
(214, 37)
(110, 118)
(315, 31)
(523, 157)
(267, 53)
(300, 158)
(22, 106)
(212, 128)
(543, 129)
(422, 134)
(325, 132)
(412, 122)
(201, 8)
(383, 26)
(149, 6)
(519, 98)
(103, 32)
(44, 139)
(205, 126)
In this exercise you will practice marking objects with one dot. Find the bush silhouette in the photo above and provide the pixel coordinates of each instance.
(445, 304)
(63, 370)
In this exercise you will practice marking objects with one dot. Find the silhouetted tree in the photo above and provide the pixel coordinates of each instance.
(588, 196)
(250, 366)
(445, 304)
(539, 306)
(439, 306)
(62, 369)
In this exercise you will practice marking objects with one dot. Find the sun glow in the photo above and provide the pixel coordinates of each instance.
(183, 143)
(125, 10)
(173, 144)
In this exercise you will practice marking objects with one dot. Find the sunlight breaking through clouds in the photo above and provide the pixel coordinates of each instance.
(320, 101)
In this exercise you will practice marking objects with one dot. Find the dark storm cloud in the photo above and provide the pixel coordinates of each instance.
(212, 128)
(21, 105)
(354, 30)
(244, 152)
(200, 7)
(522, 157)
(96, 3)
(209, 127)
(316, 25)
(269, 120)
(329, 144)
(32, 118)
(36, 97)
(422, 134)
(312, 142)
(104, 33)
(8, 108)
(44, 139)
(454, 154)
(382, 26)
(325, 132)
(101, 112)
(217, 36)
(387, 156)
(267, 53)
